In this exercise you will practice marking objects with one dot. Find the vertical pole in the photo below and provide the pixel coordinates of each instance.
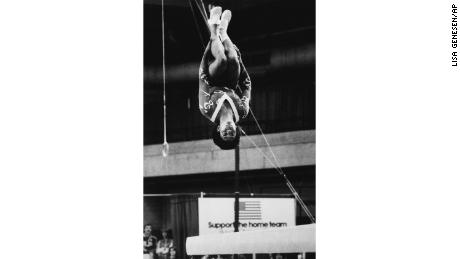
(237, 192)
(237, 188)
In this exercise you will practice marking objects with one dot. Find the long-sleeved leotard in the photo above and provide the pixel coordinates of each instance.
(211, 96)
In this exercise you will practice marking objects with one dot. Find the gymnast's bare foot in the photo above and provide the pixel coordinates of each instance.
(225, 20)
(214, 20)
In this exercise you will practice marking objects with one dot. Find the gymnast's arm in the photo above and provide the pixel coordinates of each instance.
(204, 84)
(245, 84)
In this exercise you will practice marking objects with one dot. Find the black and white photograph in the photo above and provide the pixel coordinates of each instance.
(229, 129)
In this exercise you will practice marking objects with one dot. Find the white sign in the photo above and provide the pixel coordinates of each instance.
(216, 215)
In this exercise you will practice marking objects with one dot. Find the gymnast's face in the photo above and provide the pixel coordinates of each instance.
(227, 130)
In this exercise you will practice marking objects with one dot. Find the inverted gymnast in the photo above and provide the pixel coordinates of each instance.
(225, 86)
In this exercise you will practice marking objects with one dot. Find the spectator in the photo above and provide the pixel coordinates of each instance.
(149, 242)
(165, 247)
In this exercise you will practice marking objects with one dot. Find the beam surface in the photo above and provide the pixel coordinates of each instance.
(298, 239)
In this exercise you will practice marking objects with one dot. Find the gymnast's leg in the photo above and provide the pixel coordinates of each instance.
(233, 64)
(218, 66)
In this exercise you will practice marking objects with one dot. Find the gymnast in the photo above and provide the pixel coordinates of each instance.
(224, 83)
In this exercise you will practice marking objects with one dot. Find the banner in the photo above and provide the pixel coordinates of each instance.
(216, 215)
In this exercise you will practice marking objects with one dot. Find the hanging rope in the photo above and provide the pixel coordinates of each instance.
(288, 183)
(263, 135)
(277, 164)
(280, 171)
(165, 149)
(204, 14)
(202, 9)
(196, 23)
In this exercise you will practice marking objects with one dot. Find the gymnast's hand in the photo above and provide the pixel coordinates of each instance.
(245, 105)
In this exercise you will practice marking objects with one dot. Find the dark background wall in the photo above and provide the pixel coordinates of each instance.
(153, 212)
(283, 98)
